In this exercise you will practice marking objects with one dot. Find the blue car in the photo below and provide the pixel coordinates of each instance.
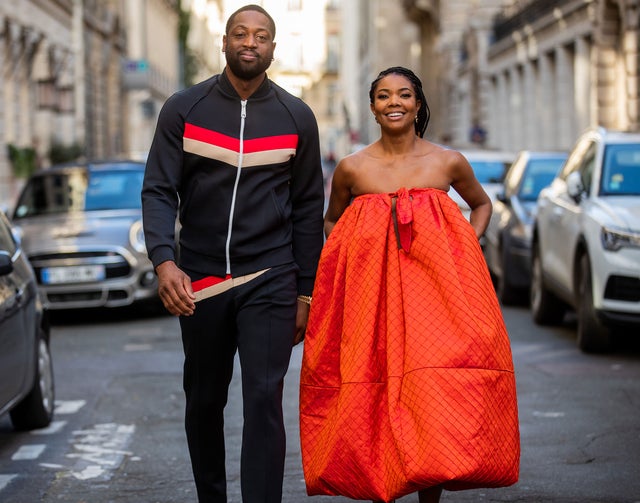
(507, 240)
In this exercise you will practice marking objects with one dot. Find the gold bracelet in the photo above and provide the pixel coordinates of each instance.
(305, 298)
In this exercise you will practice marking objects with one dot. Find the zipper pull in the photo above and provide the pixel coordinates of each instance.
(243, 114)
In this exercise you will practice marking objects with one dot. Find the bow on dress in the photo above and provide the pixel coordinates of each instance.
(402, 214)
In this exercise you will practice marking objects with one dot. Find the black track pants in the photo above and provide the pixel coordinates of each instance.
(258, 320)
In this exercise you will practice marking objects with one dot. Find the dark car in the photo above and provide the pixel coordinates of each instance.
(26, 372)
(81, 227)
(507, 244)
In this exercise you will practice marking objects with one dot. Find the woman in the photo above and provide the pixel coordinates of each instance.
(407, 382)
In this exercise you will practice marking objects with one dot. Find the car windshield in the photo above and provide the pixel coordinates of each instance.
(621, 170)
(489, 171)
(77, 189)
(539, 174)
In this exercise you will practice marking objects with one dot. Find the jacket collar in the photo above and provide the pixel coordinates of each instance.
(226, 86)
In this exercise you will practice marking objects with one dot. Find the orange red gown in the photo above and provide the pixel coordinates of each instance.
(407, 378)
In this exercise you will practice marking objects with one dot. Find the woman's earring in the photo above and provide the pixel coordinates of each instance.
(416, 118)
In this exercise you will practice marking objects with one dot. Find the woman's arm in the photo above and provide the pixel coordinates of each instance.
(340, 197)
(467, 185)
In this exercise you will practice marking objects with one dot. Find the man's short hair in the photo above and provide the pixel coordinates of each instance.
(254, 7)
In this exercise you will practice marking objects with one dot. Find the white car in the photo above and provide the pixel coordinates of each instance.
(489, 167)
(586, 240)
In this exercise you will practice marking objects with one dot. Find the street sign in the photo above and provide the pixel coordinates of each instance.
(135, 73)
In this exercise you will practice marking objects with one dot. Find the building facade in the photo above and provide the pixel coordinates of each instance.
(376, 34)
(533, 73)
(81, 78)
(150, 68)
(426, 36)
(59, 81)
(558, 67)
(453, 35)
(90, 76)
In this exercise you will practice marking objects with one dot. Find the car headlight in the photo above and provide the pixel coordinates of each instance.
(615, 239)
(136, 237)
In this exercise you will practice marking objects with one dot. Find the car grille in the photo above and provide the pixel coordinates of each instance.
(91, 296)
(623, 288)
(116, 266)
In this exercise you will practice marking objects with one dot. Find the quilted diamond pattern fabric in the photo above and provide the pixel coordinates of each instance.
(407, 378)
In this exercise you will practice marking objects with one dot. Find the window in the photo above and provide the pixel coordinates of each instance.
(621, 170)
(575, 159)
(539, 174)
(586, 167)
(80, 190)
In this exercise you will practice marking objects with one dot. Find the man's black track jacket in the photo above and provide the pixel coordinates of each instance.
(246, 178)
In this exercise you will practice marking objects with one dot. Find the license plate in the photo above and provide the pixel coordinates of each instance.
(72, 274)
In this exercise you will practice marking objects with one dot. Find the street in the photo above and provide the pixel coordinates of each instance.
(118, 434)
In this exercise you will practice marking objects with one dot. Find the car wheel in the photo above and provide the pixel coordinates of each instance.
(546, 308)
(593, 337)
(36, 409)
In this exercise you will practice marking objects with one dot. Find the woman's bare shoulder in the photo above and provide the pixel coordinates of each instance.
(354, 160)
(445, 153)
(450, 158)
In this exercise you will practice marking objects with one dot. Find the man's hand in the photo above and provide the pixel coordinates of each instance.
(302, 317)
(174, 288)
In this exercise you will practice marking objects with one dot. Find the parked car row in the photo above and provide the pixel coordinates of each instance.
(75, 241)
(565, 234)
(507, 246)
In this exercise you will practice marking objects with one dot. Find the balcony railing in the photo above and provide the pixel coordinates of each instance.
(420, 9)
(517, 16)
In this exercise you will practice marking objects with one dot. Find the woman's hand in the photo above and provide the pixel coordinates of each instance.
(302, 317)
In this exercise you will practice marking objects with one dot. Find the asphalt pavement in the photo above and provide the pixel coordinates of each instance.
(125, 440)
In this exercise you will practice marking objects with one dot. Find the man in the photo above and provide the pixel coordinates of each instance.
(238, 159)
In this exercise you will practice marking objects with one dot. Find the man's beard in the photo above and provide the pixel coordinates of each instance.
(244, 70)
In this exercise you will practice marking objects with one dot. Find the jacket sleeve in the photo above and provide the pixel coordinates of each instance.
(307, 198)
(161, 183)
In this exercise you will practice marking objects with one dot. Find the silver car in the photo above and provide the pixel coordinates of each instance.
(81, 227)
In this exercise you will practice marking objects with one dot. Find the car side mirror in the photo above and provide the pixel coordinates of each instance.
(6, 265)
(575, 188)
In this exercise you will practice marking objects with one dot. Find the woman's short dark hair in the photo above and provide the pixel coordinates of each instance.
(253, 7)
(423, 113)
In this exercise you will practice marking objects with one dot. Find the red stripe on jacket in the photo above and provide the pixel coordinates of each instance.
(198, 133)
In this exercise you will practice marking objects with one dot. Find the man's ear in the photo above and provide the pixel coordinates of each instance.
(224, 43)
